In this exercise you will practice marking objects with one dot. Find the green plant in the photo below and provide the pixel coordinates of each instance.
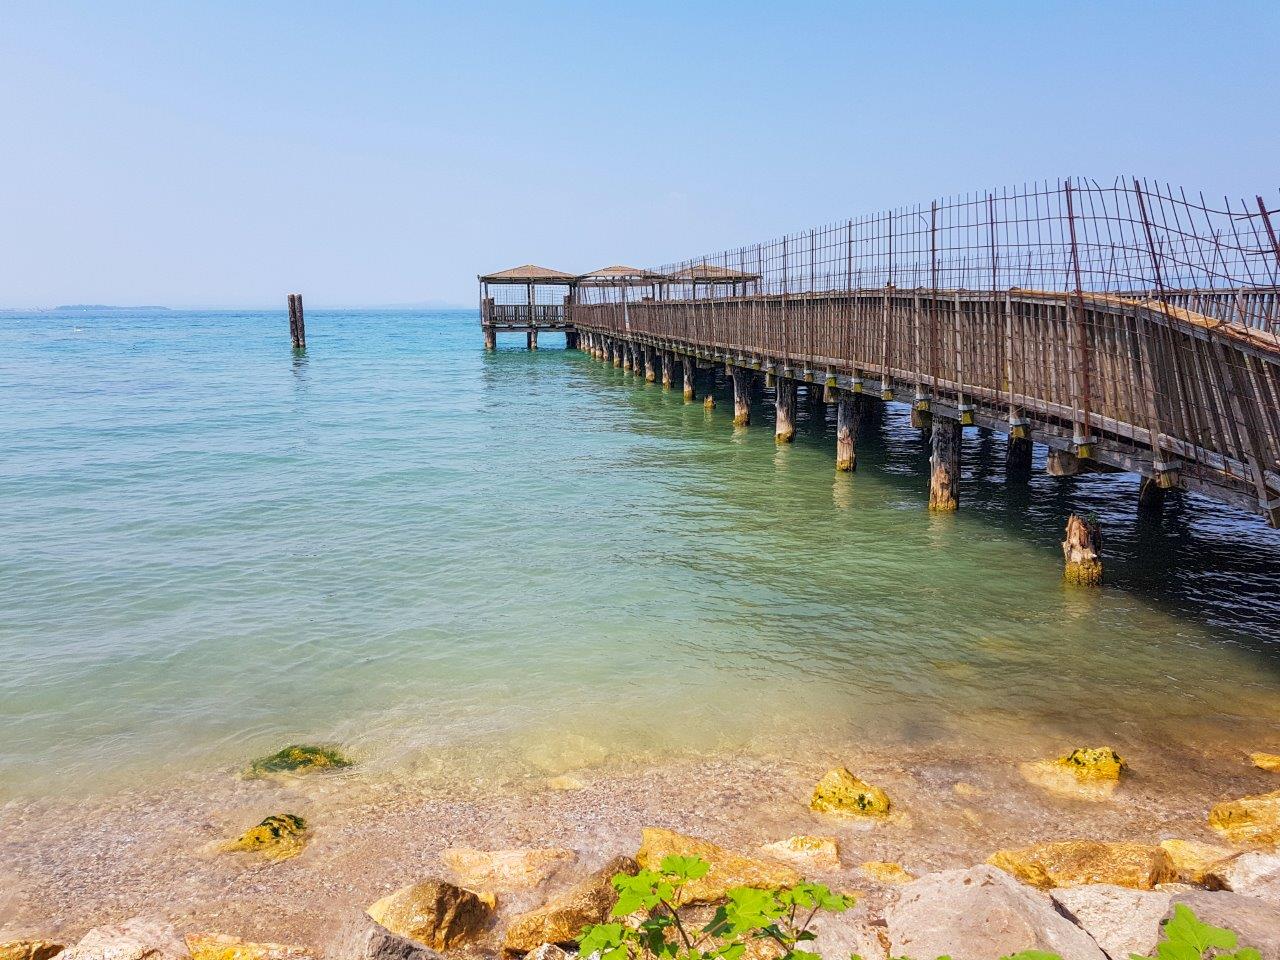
(781, 917)
(654, 929)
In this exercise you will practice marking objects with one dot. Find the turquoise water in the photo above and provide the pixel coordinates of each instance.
(440, 558)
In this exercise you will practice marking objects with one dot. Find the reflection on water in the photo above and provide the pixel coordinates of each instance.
(441, 557)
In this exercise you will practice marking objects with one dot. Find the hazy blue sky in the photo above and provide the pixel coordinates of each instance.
(372, 153)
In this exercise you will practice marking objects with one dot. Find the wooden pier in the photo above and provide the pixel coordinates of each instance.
(1124, 327)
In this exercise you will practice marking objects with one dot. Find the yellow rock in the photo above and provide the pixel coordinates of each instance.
(1266, 761)
(727, 869)
(29, 950)
(215, 947)
(842, 793)
(887, 872)
(434, 913)
(506, 869)
(565, 782)
(278, 837)
(1074, 863)
(1249, 820)
(822, 853)
(1085, 773)
(562, 919)
(1192, 861)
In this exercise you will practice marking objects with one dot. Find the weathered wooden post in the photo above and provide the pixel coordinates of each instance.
(490, 339)
(741, 377)
(297, 323)
(944, 466)
(667, 363)
(1062, 463)
(848, 417)
(532, 339)
(784, 394)
(650, 372)
(628, 353)
(571, 339)
(1017, 456)
(1150, 497)
(616, 349)
(1082, 551)
(690, 372)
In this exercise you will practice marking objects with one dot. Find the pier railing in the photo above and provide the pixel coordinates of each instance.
(1131, 322)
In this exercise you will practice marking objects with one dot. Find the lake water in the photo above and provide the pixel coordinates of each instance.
(446, 559)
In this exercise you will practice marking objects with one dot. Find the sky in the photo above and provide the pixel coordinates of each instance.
(374, 153)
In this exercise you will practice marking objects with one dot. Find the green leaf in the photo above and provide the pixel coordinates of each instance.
(684, 868)
(1184, 928)
(605, 939)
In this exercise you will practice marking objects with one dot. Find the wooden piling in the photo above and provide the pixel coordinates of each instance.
(650, 371)
(532, 339)
(616, 349)
(1082, 552)
(490, 338)
(1150, 497)
(297, 322)
(1062, 463)
(741, 396)
(944, 466)
(571, 340)
(785, 404)
(848, 417)
(667, 363)
(1017, 459)
(689, 370)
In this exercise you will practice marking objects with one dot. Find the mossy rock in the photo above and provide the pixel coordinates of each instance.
(298, 758)
(279, 837)
(840, 792)
(1094, 763)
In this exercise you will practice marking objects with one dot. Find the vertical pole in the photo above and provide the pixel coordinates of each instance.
(848, 417)
(741, 396)
(297, 322)
(532, 340)
(1017, 458)
(689, 370)
(785, 405)
(1082, 552)
(650, 374)
(944, 466)
(490, 339)
(666, 369)
(1150, 497)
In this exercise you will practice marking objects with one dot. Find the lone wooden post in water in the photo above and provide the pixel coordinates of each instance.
(1082, 551)
(297, 324)
(848, 415)
(944, 465)
(785, 405)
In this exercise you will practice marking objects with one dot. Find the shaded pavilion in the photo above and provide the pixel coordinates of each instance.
(525, 299)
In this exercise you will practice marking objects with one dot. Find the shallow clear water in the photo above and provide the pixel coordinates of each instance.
(210, 546)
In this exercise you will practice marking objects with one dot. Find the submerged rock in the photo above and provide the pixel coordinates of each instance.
(851, 933)
(29, 950)
(364, 939)
(217, 947)
(887, 872)
(978, 914)
(298, 758)
(727, 869)
(560, 920)
(821, 853)
(1074, 863)
(1193, 862)
(1249, 820)
(1266, 761)
(279, 837)
(434, 913)
(1121, 921)
(1089, 773)
(840, 792)
(548, 951)
(565, 782)
(506, 869)
(139, 938)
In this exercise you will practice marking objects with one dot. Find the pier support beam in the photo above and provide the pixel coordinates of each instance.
(1082, 552)
(944, 466)
(490, 339)
(741, 396)
(667, 362)
(628, 356)
(532, 339)
(616, 350)
(1017, 459)
(784, 430)
(650, 371)
(690, 371)
(1062, 463)
(571, 339)
(1150, 497)
(848, 417)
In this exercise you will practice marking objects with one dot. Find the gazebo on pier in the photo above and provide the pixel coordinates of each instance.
(525, 300)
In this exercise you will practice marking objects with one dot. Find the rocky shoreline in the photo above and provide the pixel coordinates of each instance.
(1088, 888)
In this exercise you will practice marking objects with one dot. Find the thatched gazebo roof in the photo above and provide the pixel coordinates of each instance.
(711, 273)
(619, 274)
(529, 273)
